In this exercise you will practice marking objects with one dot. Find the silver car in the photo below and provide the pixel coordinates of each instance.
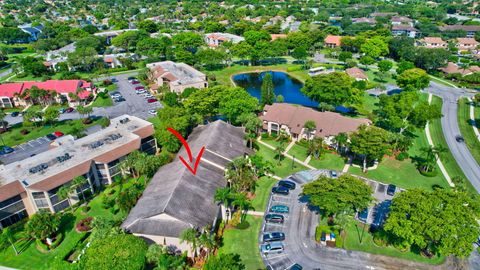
(270, 248)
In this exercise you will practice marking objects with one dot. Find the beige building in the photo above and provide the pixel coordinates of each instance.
(290, 119)
(432, 43)
(177, 76)
(31, 184)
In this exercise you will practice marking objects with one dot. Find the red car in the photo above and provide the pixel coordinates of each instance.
(152, 100)
(69, 110)
(135, 82)
(58, 133)
(139, 88)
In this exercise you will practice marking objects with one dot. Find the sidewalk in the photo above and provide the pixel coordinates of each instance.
(287, 155)
(472, 118)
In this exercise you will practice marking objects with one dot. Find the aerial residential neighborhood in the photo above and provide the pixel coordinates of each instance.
(239, 135)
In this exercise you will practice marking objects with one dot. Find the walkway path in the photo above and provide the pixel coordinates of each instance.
(472, 118)
(290, 145)
(286, 155)
(430, 142)
(253, 213)
(347, 165)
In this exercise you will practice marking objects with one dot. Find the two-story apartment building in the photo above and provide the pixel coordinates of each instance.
(216, 39)
(177, 76)
(432, 43)
(31, 184)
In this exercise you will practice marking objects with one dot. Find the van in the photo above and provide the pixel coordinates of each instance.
(270, 248)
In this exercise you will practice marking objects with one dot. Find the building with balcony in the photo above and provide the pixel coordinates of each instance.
(177, 76)
(31, 184)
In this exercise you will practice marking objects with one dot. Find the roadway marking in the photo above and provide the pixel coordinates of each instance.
(275, 257)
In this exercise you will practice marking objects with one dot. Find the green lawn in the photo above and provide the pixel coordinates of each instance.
(155, 121)
(273, 141)
(331, 161)
(14, 137)
(102, 102)
(299, 151)
(262, 192)
(369, 104)
(244, 243)
(31, 258)
(404, 173)
(374, 77)
(355, 233)
(466, 129)
(282, 169)
(223, 76)
(438, 139)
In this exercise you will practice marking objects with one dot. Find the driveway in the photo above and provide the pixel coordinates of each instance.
(301, 247)
(450, 128)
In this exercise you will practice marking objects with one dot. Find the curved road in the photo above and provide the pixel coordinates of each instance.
(450, 128)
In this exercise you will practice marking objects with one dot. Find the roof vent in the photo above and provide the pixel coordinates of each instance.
(124, 120)
(25, 183)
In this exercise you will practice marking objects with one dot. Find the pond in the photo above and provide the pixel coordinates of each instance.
(284, 84)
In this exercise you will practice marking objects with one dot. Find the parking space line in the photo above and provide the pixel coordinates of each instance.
(275, 257)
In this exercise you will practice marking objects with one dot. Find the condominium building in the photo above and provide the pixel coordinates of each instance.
(177, 76)
(31, 184)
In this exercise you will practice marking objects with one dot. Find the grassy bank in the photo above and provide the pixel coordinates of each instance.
(466, 128)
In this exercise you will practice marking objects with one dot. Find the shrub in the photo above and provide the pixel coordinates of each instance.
(102, 95)
(294, 68)
(108, 202)
(85, 209)
(84, 225)
(429, 174)
(24, 131)
(380, 238)
(402, 156)
(106, 82)
(87, 121)
(265, 135)
(243, 225)
(42, 247)
(104, 122)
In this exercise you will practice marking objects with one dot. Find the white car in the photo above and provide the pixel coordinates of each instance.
(140, 92)
(148, 96)
(152, 112)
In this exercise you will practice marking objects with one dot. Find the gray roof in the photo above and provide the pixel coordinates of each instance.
(186, 198)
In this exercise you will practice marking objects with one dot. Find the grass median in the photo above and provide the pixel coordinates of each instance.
(466, 129)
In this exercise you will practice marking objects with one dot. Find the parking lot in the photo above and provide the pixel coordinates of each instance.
(299, 226)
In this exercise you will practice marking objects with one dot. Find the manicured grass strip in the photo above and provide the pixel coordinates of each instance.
(369, 104)
(102, 102)
(299, 151)
(244, 243)
(404, 173)
(355, 233)
(262, 192)
(466, 128)
(282, 169)
(331, 161)
(438, 139)
(273, 142)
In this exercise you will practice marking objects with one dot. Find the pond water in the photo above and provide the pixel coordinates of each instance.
(285, 85)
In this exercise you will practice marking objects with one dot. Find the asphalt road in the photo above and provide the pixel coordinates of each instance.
(450, 128)
(133, 105)
(301, 247)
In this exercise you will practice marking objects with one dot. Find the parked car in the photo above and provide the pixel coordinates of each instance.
(274, 218)
(130, 79)
(273, 236)
(295, 267)
(140, 88)
(134, 82)
(152, 100)
(288, 184)
(275, 247)
(391, 189)
(119, 99)
(14, 114)
(114, 80)
(51, 137)
(280, 190)
(459, 139)
(147, 96)
(362, 216)
(333, 174)
(62, 110)
(6, 150)
(152, 112)
(58, 133)
(279, 209)
(69, 110)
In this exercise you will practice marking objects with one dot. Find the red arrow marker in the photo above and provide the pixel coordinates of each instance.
(189, 152)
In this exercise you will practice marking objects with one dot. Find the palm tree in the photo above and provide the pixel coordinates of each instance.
(207, 241)
(341, 141)
(64, 193)
(241, 201)
(8, 237)
(190, 236)
(309, 127)
(431, 155)
(223, 195)
(279, 151)
(241, 175)
(342, 220)
(315, 147)
(79, 182)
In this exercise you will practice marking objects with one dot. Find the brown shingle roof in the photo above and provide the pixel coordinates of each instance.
(356, 73)
(328, 123)
(11, 189)
(331, 39)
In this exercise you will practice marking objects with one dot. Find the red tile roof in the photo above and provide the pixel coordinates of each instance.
(277, 36)
(328, 123)
(59, 86)
(9, 89)
(330, 39)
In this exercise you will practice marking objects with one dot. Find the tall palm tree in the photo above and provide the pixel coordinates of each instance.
(190, 236)
(207, 241)
(309, 127)
(223, 195)
(241, 201)
(279, 150)
(8, 238)
(79, 182)
(341, 141)
(241, 175)
(64, 193)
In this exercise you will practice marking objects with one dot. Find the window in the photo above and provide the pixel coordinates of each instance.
(13, 218)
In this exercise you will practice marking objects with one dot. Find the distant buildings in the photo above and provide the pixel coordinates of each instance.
(466, 44)
(176, 200)
(370, 21)
(177, 76)
(332, 41)
(453, 68)
(291, 118)
(432, 43)
(31, 184)
(277, 36)
(10, 93)
(109, 35)
(401, 20)
(216, 39)
(469, 29)
(404, 30)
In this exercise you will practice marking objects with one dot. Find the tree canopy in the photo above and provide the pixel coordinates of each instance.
(334, 88)
(343, 194)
